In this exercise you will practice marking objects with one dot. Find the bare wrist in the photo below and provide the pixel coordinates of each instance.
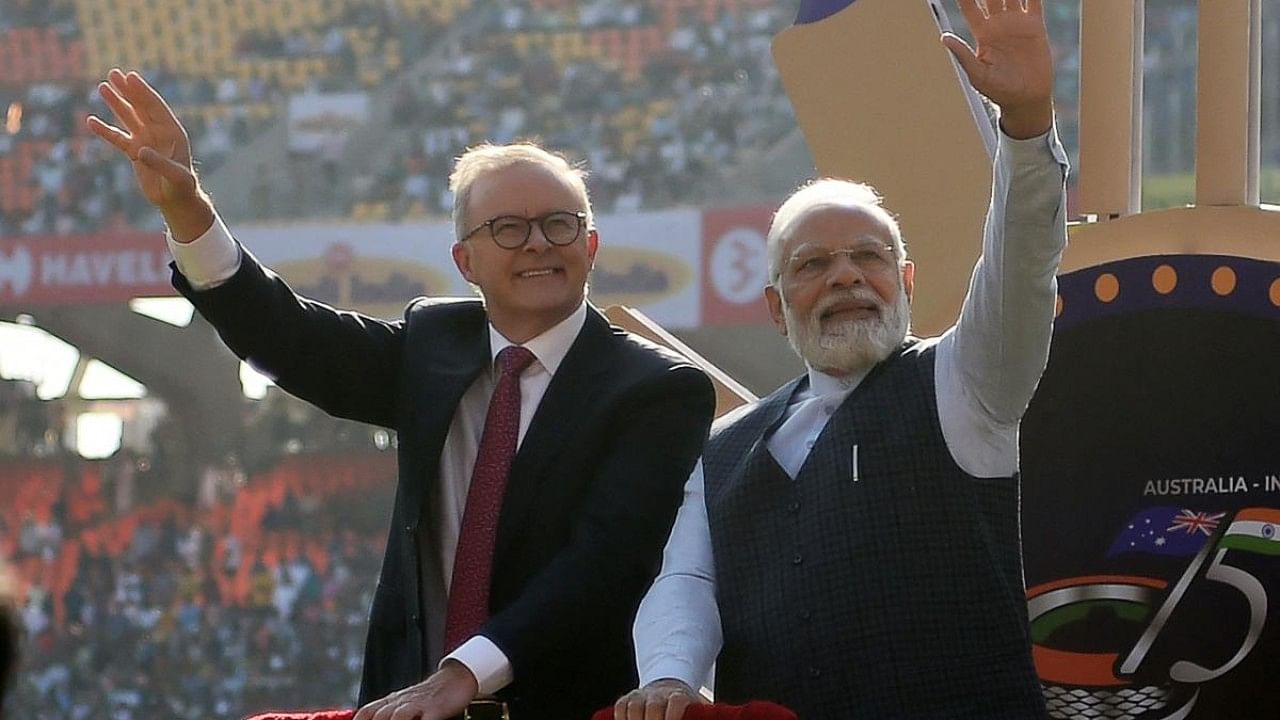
(1026, 122)
(190, 218)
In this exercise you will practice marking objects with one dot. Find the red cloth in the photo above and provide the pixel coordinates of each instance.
(754, 710)
(468, 606)
(318, 715)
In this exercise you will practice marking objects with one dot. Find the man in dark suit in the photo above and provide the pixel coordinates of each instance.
(542, 452)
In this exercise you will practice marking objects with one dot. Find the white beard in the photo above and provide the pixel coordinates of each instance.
(850, 346)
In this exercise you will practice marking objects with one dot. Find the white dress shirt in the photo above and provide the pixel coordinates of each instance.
(214, 257)
(987, 367)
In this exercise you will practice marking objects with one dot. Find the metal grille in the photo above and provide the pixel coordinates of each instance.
(1122, 704)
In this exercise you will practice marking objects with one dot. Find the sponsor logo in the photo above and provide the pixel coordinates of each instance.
(17, 269)
(376, 286)
(127, 268)
(740, 266)
(635, 277)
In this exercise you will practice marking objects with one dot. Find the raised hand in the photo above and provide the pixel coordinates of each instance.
(1013, 64)
(157, 145)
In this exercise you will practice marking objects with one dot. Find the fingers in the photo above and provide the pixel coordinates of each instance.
(367, 712)
(657, 701)
(150, 100)
(973, 12)
(676, 707)
(180, 175)
(656, 707)
(1035, 7)
(111, 134)
(965, 55)
(633, 706)
(121, 108)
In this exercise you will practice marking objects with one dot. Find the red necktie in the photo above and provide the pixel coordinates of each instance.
(468, 606)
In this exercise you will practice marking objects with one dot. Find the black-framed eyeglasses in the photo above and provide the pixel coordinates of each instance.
(511, 232)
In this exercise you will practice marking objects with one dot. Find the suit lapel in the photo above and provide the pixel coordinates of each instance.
(449, 362)
(565, 405)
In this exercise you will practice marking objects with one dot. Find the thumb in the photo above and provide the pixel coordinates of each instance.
(964, 55)
(179, 175)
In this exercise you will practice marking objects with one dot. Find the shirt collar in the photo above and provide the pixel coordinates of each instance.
(822, 385)
(551, 346)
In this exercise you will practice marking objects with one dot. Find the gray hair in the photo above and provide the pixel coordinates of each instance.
(818, 195)
(480, 160)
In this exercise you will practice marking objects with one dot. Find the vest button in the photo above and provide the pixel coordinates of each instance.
(815, 672)
(797, 559)
(794, 507)
(805, 614)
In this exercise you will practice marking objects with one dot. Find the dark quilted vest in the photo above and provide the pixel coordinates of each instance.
(898, 595)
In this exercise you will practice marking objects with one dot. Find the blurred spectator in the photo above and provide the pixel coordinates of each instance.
(165, 625)
(10, 636)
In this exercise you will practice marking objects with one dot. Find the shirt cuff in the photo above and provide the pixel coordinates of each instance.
(1030, 150)
(489, 664)
(671, 669)
(209, 260)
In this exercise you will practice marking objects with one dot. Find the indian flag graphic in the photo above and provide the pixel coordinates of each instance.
(1254, 530)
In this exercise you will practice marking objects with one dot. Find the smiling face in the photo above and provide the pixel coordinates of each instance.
(529, 289)
(842, 298)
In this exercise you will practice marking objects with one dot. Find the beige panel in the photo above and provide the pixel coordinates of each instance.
(1111, 107)
(1238, 231)
(879, 100)
(729, 392)
(1229, 86)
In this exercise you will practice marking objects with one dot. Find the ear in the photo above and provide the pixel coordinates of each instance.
(909, 279)
(593, 246)
(774, 299)
(462, 259)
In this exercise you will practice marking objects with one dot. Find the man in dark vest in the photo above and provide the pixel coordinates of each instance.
(849, 545)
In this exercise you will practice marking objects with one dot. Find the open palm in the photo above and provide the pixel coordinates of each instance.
(150, 135)
(1013, 64)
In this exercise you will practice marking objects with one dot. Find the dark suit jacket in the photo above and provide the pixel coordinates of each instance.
(590, 500)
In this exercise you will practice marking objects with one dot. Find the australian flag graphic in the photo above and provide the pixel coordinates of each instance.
(1166, 530)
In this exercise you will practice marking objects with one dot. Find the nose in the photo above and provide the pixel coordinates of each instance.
(537, 242)
(844, 272)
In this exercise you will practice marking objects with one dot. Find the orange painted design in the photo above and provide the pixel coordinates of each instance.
(1164, 279)
(1268, 515)
(1057, 306)
(1275, 293)
(1074, 668)
(1224, 281)
(1107, 287)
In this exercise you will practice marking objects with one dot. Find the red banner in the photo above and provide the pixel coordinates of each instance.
(735, 265)
(83, 269)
